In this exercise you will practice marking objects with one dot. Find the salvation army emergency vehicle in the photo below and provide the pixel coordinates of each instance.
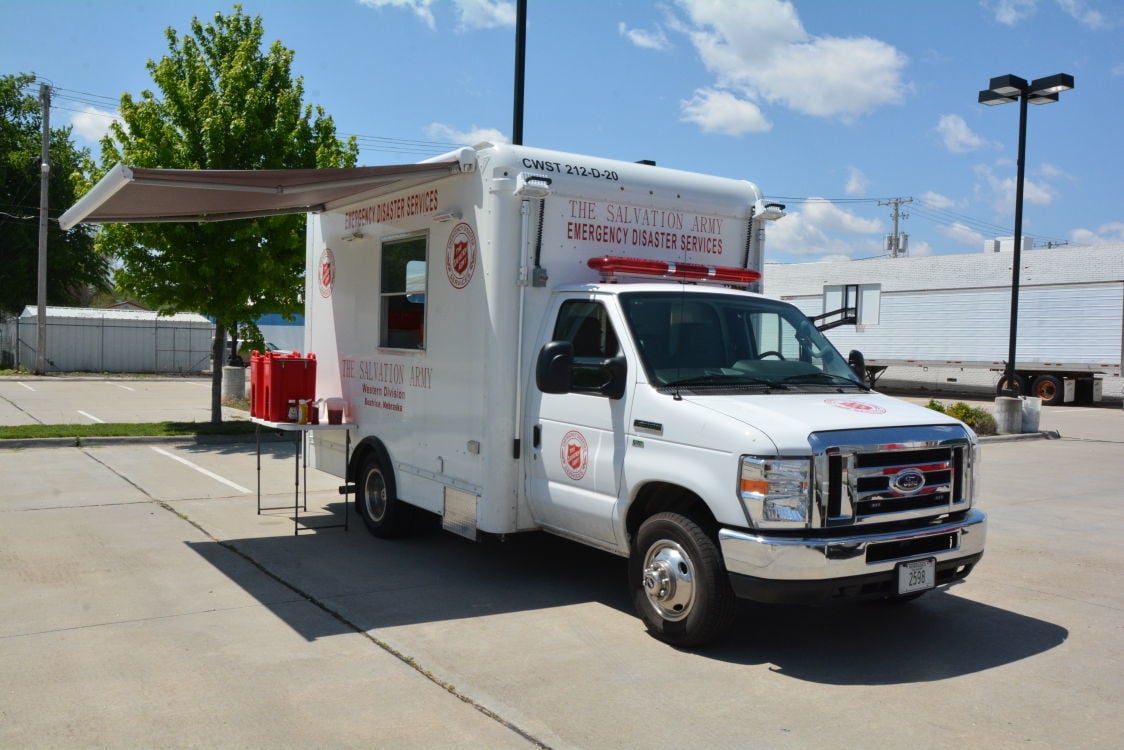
(531, 340)
(545, 341)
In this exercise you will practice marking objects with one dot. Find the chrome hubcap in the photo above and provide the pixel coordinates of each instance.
(669, 580)
(374, 495)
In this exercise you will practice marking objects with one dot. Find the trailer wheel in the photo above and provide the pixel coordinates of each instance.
(679, 585)
(1018, 385)
(384, 515)
(1050, 389)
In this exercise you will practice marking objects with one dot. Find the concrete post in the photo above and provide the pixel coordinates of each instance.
(233, 382)
(1008, 415)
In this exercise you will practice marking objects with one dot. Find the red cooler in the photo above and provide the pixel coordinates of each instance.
(285, 377)
(257, 384)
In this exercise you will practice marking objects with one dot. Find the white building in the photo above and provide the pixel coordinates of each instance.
(81, 339)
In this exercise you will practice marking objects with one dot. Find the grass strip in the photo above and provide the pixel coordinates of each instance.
(124, 429)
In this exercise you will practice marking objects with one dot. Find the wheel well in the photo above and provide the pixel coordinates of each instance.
(660, 497)
(359, 455)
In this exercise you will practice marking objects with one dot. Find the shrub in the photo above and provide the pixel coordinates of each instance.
(978, 419)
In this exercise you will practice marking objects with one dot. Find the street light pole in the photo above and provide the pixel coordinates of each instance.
(1002, 90)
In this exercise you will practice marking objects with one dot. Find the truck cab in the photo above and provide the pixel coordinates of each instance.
(718, 440)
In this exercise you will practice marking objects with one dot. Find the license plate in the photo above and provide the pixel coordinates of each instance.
(917, 575)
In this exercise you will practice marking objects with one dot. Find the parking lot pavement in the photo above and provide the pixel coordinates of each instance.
(89, 400)
(145, 602)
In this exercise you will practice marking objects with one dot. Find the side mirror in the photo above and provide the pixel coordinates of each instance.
(858, 363)
(552, 371)
(617, 369)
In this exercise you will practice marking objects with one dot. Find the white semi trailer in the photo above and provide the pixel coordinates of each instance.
(951, 314)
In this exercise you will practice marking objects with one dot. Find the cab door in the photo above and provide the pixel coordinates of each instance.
(578, 437)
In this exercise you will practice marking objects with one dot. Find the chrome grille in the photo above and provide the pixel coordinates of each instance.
(882, 475)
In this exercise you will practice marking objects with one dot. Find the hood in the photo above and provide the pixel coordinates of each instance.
(788, 419)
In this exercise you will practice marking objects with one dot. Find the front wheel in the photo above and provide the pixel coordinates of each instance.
(679, 585)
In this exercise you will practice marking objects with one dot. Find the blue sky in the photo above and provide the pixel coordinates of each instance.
(829, 106)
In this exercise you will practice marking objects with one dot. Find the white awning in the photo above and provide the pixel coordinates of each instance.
(136, 195)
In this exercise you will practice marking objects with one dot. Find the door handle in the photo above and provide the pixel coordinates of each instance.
(536, 436)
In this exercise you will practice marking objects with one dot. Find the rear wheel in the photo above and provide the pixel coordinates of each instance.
(1050, 389)
(1018, 385)
(384, 515)
(679, 585)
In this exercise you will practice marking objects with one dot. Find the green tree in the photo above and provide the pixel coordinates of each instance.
(224, 103)
(74, 268)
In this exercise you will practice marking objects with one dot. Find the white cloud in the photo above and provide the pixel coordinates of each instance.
(421, 8)
(857, 182)
(1081, 13)
(816, 230)
(91, 124)
(1118, 70)
(485, 14)
(831, 218)
(656, 40)
(936, 200)
(958, 138)
(1053, 171)
(471, 14)
(760, 51)
(1013, 12)
(1010, 12)
(468, 137)
(962, 234)
(722, 112)
(1000, 191)
(919, 249)
(1106, 234)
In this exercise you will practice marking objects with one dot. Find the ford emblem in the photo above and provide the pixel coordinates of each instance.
(908, 481)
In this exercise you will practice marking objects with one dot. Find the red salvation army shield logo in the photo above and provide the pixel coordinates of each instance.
(460, 255)
(859, 406)
(575, 455)
(326, 273)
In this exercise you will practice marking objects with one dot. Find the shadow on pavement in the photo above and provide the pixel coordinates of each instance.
(373, 584)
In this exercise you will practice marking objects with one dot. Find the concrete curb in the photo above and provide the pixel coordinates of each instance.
(1046, 435)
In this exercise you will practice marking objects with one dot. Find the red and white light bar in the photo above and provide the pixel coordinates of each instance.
(613, 265)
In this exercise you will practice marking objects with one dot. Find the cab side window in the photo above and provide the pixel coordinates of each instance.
(586, 325)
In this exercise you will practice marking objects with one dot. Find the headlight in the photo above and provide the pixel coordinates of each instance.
(776, 491)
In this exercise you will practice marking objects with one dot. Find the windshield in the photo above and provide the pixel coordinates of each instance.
(690, 340)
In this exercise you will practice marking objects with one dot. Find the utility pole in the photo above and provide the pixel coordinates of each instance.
(44, 184)
(897, 244)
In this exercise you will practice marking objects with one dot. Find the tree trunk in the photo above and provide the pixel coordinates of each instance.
(218, 359)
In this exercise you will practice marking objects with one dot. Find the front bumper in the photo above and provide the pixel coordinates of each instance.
(811, 569)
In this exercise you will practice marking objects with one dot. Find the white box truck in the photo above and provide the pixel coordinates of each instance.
(544, 341)
(531, 340)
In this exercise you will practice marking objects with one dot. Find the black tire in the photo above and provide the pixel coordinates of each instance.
(376, 499)
(1050, 389)
(679, 585)
(1018, 385)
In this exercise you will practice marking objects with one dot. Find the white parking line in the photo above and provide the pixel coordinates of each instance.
(25, 385)
(122, 387)
(91, 416)
(201, 470)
